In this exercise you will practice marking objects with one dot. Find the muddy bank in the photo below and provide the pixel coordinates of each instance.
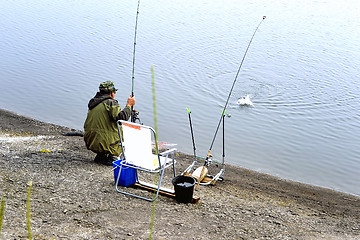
(74, 198)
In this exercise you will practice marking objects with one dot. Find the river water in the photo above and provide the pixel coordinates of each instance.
(301, 73)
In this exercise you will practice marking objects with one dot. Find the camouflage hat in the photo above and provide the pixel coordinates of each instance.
(107, 87)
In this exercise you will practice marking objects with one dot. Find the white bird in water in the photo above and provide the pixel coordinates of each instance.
(245, 101)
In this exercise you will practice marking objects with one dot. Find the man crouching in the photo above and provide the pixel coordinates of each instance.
(100, 130)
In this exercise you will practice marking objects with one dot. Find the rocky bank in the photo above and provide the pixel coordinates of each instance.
(74, 198)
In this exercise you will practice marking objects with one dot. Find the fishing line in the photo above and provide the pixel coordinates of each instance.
(133, 112)
(232, 87)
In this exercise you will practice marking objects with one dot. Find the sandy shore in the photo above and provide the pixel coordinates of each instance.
(74, 198)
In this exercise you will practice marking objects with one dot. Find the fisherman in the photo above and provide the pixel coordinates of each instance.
(100, 129)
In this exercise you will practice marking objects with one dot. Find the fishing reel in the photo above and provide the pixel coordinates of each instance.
(135, 116)
(208, 161)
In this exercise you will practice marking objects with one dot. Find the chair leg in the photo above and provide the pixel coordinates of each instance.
(144, 184)
(156, 187)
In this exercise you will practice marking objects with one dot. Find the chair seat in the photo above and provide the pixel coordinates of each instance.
(152, 163)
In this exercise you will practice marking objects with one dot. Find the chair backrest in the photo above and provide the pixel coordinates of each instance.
(138, 145)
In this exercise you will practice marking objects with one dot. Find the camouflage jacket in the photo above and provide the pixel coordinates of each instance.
(100, 130)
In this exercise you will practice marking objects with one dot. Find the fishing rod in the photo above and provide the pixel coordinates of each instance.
(192, 133)
(232, 87)
(134, 113)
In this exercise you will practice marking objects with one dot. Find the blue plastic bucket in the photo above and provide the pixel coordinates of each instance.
(128, 175)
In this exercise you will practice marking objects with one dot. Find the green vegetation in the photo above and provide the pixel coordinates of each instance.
(156, 150)
(9, 133)
(154, 102)
(28, 213)
(2, 208)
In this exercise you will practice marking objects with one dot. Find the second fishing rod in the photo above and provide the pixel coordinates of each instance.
(200, 173)
(230, 92)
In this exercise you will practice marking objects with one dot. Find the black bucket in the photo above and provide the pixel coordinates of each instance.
(184, 188)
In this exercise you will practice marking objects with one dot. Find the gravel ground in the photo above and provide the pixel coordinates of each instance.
(74, 198)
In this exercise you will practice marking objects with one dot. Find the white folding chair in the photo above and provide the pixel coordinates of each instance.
(137, 154)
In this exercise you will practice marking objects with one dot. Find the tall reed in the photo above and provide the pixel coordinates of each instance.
(2, 208)
(156, 150)
(28, 213)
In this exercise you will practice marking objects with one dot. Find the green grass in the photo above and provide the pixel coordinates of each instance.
(28, 212)
(156, 151)
(2, 208)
